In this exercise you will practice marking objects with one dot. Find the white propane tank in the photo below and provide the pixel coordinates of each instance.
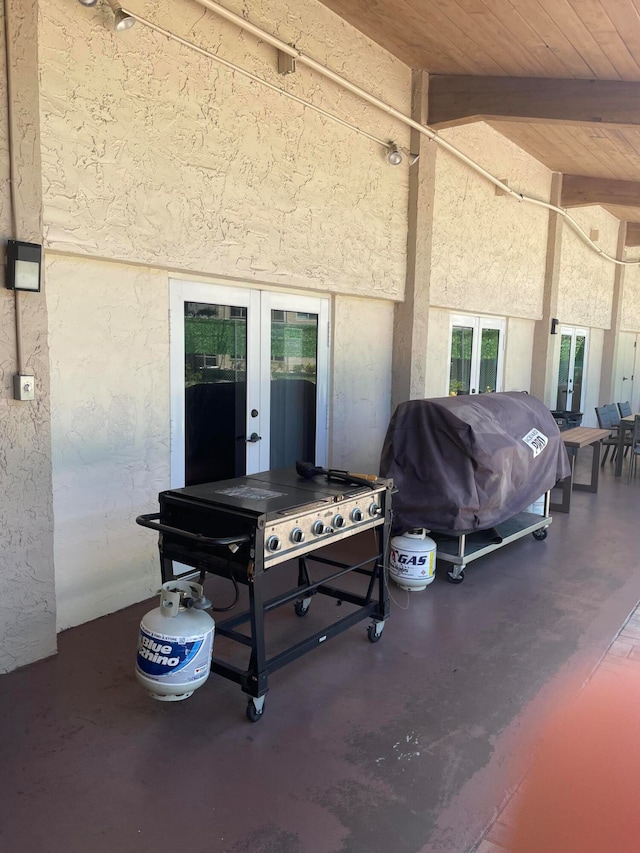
(413, 560)
(175, 644)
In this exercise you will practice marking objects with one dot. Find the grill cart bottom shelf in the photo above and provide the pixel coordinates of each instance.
(463, 548)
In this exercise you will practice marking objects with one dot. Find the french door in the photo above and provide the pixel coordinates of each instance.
(476, 355)
(249, 378)
(571, 371)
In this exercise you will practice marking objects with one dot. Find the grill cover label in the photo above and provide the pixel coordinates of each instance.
(536, 440)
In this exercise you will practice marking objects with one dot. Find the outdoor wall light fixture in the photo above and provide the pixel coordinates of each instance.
(554, 326)
(23, 265)
(393, 154)
(122, 21)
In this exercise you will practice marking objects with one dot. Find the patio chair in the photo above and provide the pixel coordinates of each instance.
(604, 422)
(616, 414)
(635, 448)
(624, 409)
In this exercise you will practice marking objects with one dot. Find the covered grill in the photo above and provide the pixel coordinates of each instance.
(464, 464)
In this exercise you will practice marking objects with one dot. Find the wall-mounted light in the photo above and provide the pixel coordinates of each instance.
(554, 326)
(23, 265)
(122, 20)
(394, 156)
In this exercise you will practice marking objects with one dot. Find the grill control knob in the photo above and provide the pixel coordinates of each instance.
(273, 543)
(374, 509)
(317, 528)
(356, 514)
(338, 521)
(297, 535)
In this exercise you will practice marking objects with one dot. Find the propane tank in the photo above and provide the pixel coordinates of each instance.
(176, 643)
(413, 560)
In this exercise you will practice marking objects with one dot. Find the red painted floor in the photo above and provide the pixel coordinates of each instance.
(412, 745)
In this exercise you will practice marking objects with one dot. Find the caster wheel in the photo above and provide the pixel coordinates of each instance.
(452, 579)
(253, 715)
(301, 608)
(372, 636)
(540, 534)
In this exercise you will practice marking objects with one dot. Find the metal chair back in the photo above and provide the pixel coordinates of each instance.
(604, 417)
(614, 414)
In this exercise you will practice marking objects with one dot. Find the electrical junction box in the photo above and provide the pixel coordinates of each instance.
(24, 387)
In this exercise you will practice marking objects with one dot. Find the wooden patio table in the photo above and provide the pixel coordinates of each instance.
(626, 423)
(573, 440)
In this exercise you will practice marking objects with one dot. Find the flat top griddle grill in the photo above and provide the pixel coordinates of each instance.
(271, 493)
(244, 528)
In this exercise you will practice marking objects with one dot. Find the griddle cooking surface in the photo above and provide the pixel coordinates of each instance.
(269, 492)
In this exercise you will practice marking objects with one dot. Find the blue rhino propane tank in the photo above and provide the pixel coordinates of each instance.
(176, 643)
(413, 560)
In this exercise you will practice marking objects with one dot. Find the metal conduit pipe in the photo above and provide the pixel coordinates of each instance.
(261, 34)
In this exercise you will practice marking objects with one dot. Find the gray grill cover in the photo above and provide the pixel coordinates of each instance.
(461, 464)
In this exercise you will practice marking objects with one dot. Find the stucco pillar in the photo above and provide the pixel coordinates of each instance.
(27, 602)
(411, 321)
(545, 349)
(612, 335)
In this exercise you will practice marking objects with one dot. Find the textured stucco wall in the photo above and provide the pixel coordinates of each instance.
(437, 369)
(488, 250)
(27, 603)
(153, 153)
(361, 394)
(630, 314)
(109, 345)
(586, 280)
(518, 354)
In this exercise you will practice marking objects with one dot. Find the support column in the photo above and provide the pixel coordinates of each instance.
(411, 321)
(611, 341)
(544, 365)
(27, 604)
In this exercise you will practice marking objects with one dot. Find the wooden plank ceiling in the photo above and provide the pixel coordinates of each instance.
(567, 40)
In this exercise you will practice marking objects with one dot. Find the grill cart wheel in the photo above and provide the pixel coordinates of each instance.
(453, 579)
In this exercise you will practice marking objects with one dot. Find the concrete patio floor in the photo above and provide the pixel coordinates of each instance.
(411, 745)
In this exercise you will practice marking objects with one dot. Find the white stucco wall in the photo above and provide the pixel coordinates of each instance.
(488, 250)
(586, 280)
(361, 394)
(630, 312)
(110, 430)
(153, 153)
(594, 366)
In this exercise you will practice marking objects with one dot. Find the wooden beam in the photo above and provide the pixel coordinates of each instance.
(633, 234)
(580, 190)
(457, 100)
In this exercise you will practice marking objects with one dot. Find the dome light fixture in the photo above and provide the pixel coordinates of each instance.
(394, 156)
(88, 2)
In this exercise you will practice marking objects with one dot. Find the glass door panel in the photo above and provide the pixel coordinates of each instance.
(489, 352)
(578, 368)
(294, 365)
(563, 373)
(460, 366)
(215, 380)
